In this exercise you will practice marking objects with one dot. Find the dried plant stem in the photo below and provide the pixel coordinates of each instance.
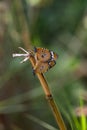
(50, 99)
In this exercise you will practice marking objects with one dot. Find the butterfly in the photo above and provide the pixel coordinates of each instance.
(45, 60)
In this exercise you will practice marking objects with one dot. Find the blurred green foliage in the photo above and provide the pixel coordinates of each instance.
(61, 26)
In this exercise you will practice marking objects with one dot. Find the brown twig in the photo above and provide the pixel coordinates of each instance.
(50, 99)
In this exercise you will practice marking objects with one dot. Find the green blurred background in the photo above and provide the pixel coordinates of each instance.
(61, 26)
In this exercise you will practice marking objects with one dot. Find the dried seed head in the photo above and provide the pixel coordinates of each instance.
(26, 55)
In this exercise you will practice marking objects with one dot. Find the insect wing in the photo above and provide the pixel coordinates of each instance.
(51, 63)
(42, 54)
(41, 67)
(54, 56)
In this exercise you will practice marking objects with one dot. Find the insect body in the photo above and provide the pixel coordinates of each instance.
(44, 55)
(45, 59)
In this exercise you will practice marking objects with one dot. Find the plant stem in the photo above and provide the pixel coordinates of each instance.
(50, 99)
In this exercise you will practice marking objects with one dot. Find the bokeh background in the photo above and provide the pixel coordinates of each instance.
(61, 26)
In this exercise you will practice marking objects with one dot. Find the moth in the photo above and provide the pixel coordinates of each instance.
(45, 59)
